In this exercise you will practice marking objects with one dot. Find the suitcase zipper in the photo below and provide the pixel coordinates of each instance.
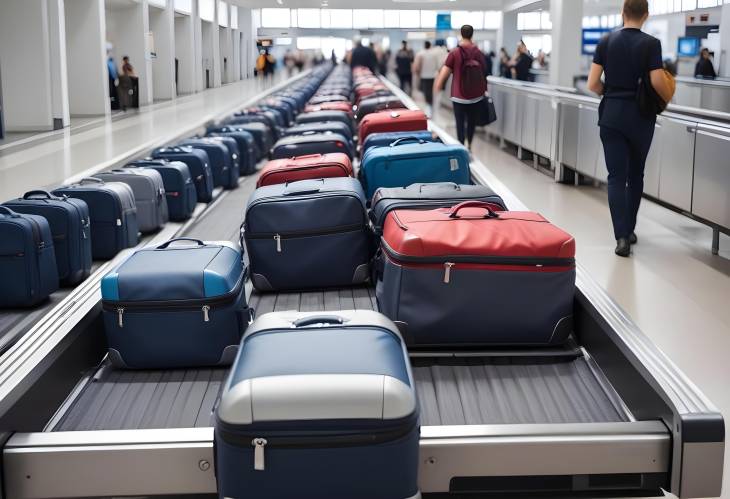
(295, 234)
(259, 463)
(277, 238)
(447, 271)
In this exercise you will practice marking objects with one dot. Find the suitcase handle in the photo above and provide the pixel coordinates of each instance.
(8, 211)
(316, 155)
(456, 186)
(305, 190)
(318, 319)
(92, 180)
(39, 195)
(168, 243)
(454, 213)
(398, 142)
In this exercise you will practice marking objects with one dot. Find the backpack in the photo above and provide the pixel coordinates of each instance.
(473, 82)
(261, 62)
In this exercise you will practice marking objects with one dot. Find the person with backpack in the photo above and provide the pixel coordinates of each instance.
(636, 88)
(468, 85)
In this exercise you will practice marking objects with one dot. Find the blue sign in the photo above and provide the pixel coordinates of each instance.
(688, 46)
(443, 21)
(590, 39)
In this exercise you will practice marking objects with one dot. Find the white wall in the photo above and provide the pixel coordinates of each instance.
(163, 66)
(127, 29)
(208, 32)
(225, 37)
(185, 53)
(58, 68)
(724, 57)
(236, 46)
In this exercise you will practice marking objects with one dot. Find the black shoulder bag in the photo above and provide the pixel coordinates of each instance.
(649, 102)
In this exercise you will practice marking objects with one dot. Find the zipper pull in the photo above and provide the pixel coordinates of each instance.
(277, 238)
(119, 222)
(259, 463)
(120, 316)
(206, 309)
(447, 271)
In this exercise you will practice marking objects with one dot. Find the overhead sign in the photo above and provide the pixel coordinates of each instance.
(590, 38)
(443, 21)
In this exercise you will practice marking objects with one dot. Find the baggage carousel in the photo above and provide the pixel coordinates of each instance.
(607, 414)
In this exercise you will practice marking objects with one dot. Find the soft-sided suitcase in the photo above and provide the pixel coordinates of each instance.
(233, 152)
(112, 211)
(326, 126)
(27, 259)
(68, 219)
(149, 195)
(399, 120)
(283, 107)
(319, 116)
(387, 138)
(180, 189)
(221, 163)
(199, 165)
(330, 106)
(265, 119)
(262, 135)
(311, 143)
(407, 162)
(325, 98)
(314, 166)
(307, 234)
(176, 305)
(249, 151)
(468, 275)
(319, 406)
(376, 104)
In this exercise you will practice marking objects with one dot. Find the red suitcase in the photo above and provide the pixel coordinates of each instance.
(468, 275)
(401, 120)
(329, 106)
(311, 166)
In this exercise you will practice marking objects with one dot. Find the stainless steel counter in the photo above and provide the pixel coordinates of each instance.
(705, 94)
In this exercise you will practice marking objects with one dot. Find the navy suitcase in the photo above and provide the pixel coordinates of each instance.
(381, 139)
(262, 135)
(311, 143)
(249, 151)
(321, 98)
(264, 119)
(323, 127)
(68, 219)
(149, 195)
(317, 116)
(233, 152)
(220, 161)
(199, 165)
(176, 306)
(379, 103)
(27, 259)
(113, 214)
(307, 234)
(281, 107)
(180, 189)
(280, 115)
(319, 406)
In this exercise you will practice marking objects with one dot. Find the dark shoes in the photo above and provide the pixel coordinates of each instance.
(633, 239)
(623, 247)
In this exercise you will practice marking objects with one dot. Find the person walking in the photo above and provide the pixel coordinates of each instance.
(403, 60)
(425, 66)
(704, 67)
(363, 56)
(522, 63)
(468, 85)
(624, 57)
(504, 60)
(127, 85)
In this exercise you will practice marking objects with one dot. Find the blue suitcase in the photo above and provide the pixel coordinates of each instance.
(199, 165)
(319, 406)
(256, 117)
(221, 164)
(179, 186)
(283, 108)
(281, 115)
(311, 143)
(386, 138)
(249, 152)
(68, 219)
(307, 234)
(403, 163)
(318, 116)
(176, 306)
(233, 152)
(113, 215)
(323, 127)
(262, 134)
(27, 259)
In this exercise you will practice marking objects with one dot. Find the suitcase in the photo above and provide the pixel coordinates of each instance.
(280, 115)
(199, 165)
(149, 195)
(180, 189)
(113, 214)
(285, 107)
(319, 406)
(375, 104)
(468, 276)
(249, 151)
(330, 106)
(307, 234)
(387, 138)
(262, 135)
(249, 118)
(325, 98)
(221, 164)
(314, 166)
(68, 219)
(175, 305)
(27, 259)
(319, 116)
(401, 120)
(290, 103)
(233, 152)
(405, 162)
(327, 126)
(311, 143)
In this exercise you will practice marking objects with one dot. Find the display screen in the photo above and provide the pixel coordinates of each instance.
(590, 39)
(688, 46)
(443, 21)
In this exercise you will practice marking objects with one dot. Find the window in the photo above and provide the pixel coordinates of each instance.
(428, 19)
(309, 43)
(223, 14)
(206, 10)
(234, 17)
(545, 22)
(340, 18)
(367, 18)
(275, 18)
(410, 19)
(462, 17)
(536, 43)
(338, 45)
(282, 41)
(392, 20)
(689, 4)
(157, 3)
(308, 18)
(534, 21)
(492, 19)
(184, 6)
(293, 19)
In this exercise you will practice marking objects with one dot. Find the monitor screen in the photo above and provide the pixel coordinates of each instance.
(443, 21)
(688, 46)
(590, 39)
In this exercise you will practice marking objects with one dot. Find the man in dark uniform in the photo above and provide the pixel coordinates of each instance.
(363, 56)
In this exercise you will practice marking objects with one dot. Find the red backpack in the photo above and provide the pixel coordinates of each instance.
(473, 81)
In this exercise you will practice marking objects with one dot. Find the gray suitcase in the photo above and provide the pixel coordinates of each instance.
(149, 195)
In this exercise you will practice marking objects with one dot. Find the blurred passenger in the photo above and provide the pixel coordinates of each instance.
(127, 84)
(299, 60)
(289, 63)
(383, 62)
(671, 66)
(403, 60)
(488, 63)
(333, 57)
(363, 56)
(468, 84)
(540, 61)
(111, 67)
(704, 67)
(426, 66)
(521, 63)
(269, 64)
(504, 60)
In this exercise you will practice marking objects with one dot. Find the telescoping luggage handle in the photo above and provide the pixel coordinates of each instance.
(197, 242)
(401, 140)
(318, 319)
(308, 156)
(456, 186)
(454, 212)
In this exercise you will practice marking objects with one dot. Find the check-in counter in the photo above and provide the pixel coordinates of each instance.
(688, 167)
(703, 94)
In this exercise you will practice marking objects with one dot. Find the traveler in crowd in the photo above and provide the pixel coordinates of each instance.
(521, 63)
(363, 56)
(289, 63)
(704, 67)
(403, 61)
(111, 67)
(127, 82)
(468, 85)
(383, 61)
(425, 66)
(489, 63)
(504, 60)
(626, 127)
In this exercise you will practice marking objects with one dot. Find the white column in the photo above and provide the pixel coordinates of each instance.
(226, 53)
(162, 26)
(248, 46)
(508, 36)
(59, 71)
(567, 20)
(187, 74)
(88, 77)
(236, 66)
(216, 49)
(128, 28)
(724, 58)
(198, 44)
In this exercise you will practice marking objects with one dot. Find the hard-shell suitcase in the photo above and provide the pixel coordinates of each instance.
(311, 143)
(180, 189)
(149, 195)
(176, 305)
(221, 163)
(324, 98)
(287, 103)
(27, 259)
(318, 116)
(264, 119)
(330, 106)
(285, 108)
(249, 151)
(112, 211)
(407, 162)
(68, 219)
(313, 166)
(400, 120)
(199, 165)
(468, 275)
(262, 135)
(387, 138)
(326, 126)
(376, 104)
(233, 152)
(319, 406)
(307, 234)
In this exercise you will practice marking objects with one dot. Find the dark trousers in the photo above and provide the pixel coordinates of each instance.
(427, 89)
(406, 83)
(625, 153)
(466, 120)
